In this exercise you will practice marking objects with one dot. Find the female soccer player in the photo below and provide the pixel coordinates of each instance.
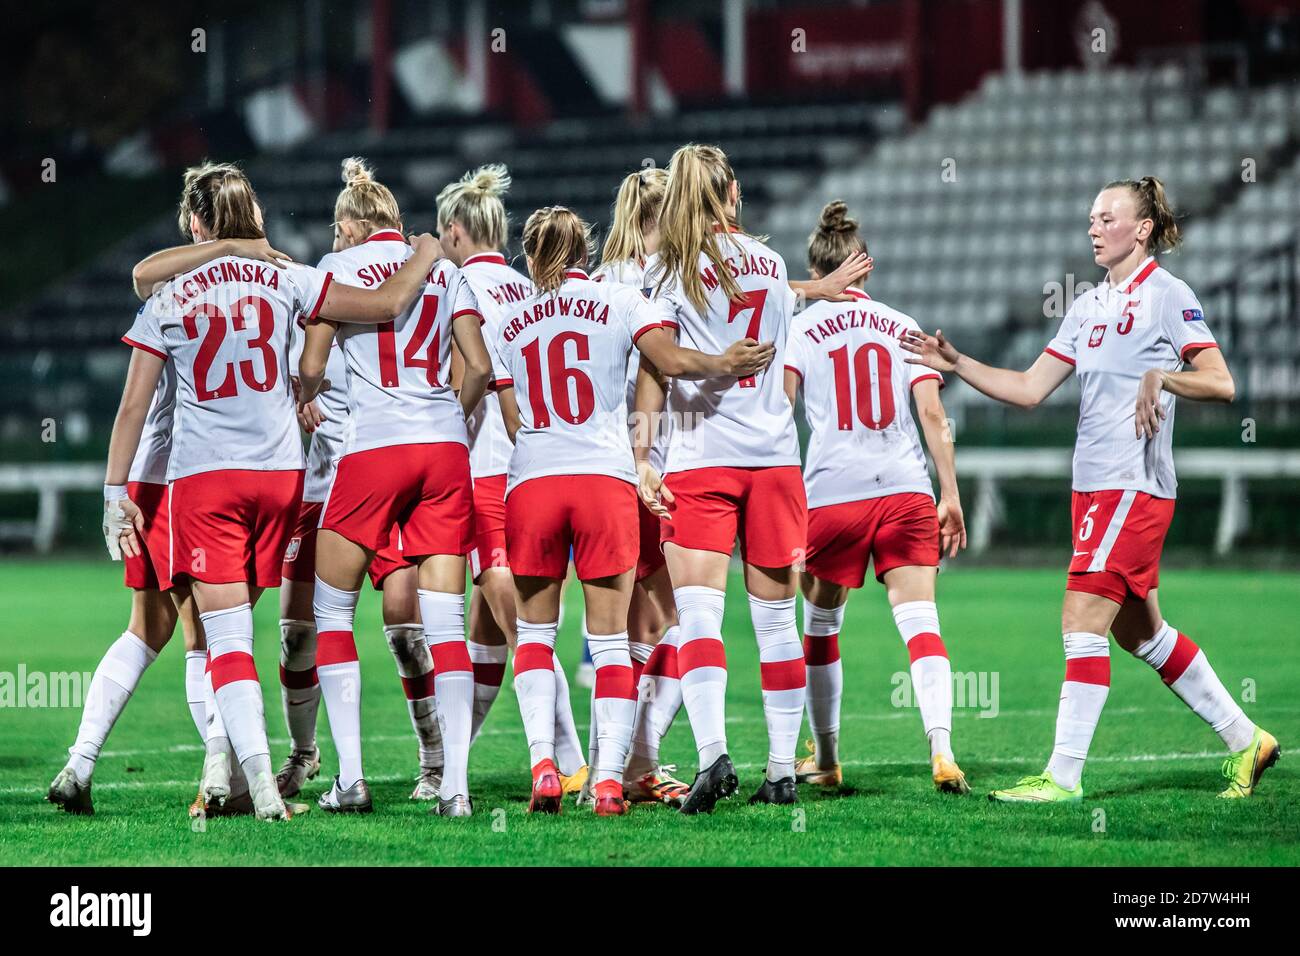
(405, 470)
(733, 468)
(1128, 339)
(560, 360)
(235, 472)
(869, 498)
(472, 227)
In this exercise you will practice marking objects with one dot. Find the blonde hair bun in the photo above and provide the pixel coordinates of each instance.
(490, 180)
(357, 170)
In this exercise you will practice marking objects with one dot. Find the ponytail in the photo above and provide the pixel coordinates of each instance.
(636, 212)
(365, 200)
(1153, 204)
(695, 203)
(475, 202)
(223, 199)
(555, 240)
(835, 238)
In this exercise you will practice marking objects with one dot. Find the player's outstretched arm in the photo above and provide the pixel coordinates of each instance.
(152, 271)
(647, 405)
(122, 520)
(1023, 389)
(476, 365)
(856, 266)
(311, 365)
(348, 303)
(746, 357)
(938, 438)
(1208, 380)
(510, 410)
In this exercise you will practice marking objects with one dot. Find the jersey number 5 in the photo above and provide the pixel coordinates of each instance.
(875, 392)
(560, 376)
(216, 334)
(755, 301)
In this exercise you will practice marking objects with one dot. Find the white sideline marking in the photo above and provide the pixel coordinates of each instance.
(888, 762)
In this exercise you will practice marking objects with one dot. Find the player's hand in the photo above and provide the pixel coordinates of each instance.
(1149, 412)
(123, 523)
(653, 492)
(856, 266)
(748, 357)
(932, 351)
(260, 249)
(310, 417)
(952, 527)
(426, 244)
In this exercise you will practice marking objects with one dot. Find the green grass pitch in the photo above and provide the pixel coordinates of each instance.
(1150, 784)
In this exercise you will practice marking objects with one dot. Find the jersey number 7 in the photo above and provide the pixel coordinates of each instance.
(749, 300)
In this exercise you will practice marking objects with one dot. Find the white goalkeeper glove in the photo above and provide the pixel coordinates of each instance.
(115, 519)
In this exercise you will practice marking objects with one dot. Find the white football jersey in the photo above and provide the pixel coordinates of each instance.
(857, 388)
(632, 275)
(498, 289)
(226, 327)
(728, 422)
(150, 461)
(566, 355)
(399, 373)
(330, 438)
(1112, 335)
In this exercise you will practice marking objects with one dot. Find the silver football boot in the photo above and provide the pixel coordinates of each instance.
(427, 784)
(455, 806)
(299, 767)
(355, 799)
(68, 794)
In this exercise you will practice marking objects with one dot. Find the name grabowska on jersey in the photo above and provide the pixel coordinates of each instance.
(579, 307)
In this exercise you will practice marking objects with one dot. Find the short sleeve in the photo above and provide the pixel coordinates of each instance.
(309, 288)
(464, 301)
(501, 377)
(1062, 344)
(796, 351)
(1184, 321)
(146, 331)
(635, 311)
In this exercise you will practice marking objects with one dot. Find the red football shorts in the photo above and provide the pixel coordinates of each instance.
(300, 556)
(151, 570)
(233, 525)
(1118, 537)
(489, 524)
(595, 515)
(422, 489)
(651, 556)
(765, 507)
(893, 531)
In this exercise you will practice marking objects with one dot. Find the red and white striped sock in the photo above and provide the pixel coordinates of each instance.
(659, 698)
(821, 651)
(339, 673)
(1083, 695)
(614, 703)
(299, 686)
(781, 667)
(569, 757)
(918, 623)
(443, 614)
(196, 666)
(702, 662)
(415, 668)
(1187, 672)
(489, 661)
(234, 682)
(535, 687)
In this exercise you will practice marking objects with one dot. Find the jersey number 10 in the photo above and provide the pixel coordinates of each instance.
(875, 394)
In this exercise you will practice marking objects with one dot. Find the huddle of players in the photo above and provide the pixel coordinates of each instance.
(458, 407)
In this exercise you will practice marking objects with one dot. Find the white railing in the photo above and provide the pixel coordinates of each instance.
(987, 467)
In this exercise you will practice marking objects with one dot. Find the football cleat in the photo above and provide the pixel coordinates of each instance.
(1243, 768)
(67, 793)
(265, 797)
(575, 782)
(807, 771)
(216, 778)
(427, 784)
(781, 791)
(948, 777)
(712, 784)
(1042, 788)
(609, 799)
(658, 786)
(455, 806)
(547, 790)
(299, 767)
(355, 799)
(200, 806)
